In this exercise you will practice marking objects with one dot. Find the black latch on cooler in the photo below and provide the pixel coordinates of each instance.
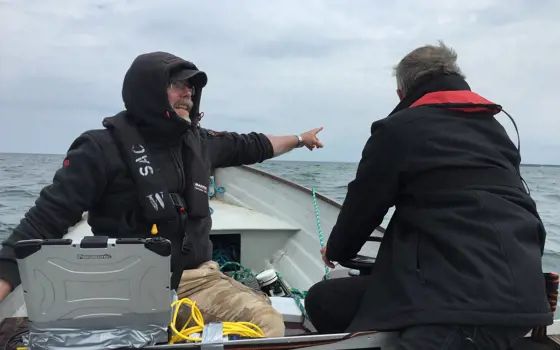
(94, 242)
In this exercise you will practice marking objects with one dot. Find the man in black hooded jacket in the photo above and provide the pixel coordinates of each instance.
(459, 266)
(149, 169)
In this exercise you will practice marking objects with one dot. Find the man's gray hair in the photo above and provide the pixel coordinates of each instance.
(425, 60)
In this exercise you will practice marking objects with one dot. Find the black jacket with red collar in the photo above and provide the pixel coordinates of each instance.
(464, 245)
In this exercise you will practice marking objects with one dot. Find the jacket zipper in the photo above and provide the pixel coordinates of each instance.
(418, 265)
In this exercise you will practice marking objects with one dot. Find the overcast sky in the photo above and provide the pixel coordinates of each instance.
(279, 67)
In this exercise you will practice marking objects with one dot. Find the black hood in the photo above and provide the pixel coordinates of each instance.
(144, 93)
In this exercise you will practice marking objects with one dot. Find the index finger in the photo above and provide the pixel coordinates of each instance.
(317, 130)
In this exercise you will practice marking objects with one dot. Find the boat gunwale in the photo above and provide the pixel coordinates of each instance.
(300, 188)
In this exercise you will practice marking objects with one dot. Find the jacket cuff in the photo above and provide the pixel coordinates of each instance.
(269, 150)
(9, 272)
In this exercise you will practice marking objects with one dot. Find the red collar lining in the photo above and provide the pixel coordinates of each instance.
(461, 100)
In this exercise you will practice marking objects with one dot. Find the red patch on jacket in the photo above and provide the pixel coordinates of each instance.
(214, 133)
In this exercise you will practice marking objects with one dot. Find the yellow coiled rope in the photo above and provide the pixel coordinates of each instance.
(243, 329)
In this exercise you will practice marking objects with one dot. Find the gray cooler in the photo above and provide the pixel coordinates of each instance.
(97, 292)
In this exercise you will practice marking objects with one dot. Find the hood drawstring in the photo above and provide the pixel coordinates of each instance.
(196, 121)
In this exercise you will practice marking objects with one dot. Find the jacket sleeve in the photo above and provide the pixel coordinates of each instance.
(75, 188)
(232, 149)
(369, 196)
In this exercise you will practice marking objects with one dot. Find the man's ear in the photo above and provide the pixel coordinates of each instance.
(401, 96)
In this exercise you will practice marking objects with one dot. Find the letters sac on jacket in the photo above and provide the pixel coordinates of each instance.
(145, 168)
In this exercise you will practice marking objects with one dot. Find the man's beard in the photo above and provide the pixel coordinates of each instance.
(185, 105)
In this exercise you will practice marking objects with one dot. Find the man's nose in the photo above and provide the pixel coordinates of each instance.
(187, 93)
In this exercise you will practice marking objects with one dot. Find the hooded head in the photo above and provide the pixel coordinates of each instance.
(161, 92)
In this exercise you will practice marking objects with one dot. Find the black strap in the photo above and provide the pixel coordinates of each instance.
(152, 192)
(197, 179)
(197, 176)
(442, 179)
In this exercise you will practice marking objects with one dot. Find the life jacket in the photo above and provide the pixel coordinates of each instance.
(159, 206)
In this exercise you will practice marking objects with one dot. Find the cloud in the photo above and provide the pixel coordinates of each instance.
(276, 67)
